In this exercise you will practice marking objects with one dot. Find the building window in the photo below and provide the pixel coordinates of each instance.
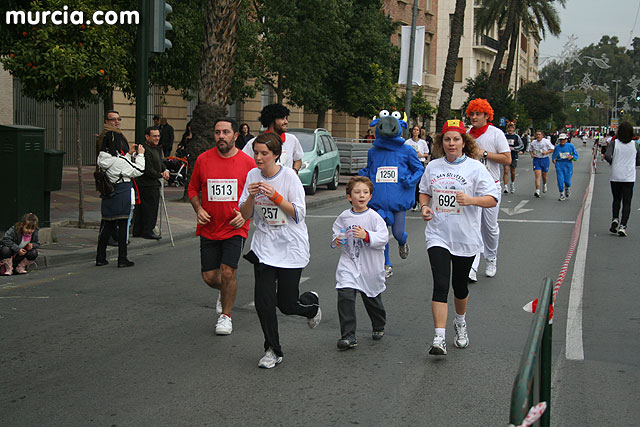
(427, 6)
(427, 55)
(523, 43)
(458, 77)
(268, 96)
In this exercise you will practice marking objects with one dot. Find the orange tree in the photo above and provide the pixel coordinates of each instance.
(71, 65)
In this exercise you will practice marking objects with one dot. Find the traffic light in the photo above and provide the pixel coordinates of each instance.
(578, 109)
(159, 26)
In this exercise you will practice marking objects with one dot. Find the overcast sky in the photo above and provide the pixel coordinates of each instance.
(589, 20)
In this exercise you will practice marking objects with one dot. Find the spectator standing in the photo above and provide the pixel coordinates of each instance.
(369, 137)
(244, 137)
(166, 137)
(187, 136)
(146, 213)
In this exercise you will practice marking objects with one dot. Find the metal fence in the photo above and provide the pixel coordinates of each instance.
(60, 125)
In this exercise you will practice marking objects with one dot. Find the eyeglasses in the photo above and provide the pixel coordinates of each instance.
(116, 119)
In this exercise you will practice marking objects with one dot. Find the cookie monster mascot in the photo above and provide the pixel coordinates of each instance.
(394, 169)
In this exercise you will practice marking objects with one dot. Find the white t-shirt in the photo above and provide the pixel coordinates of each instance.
(493, 141)
(291, 150)
(279, 240)
(420, 146)
(623, 165)
(456, 228)
(538, 147)
(361, 265)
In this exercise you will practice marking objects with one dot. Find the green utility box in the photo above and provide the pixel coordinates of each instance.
(21, 173)
(53, 169)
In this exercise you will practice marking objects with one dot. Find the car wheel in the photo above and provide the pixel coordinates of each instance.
(333, 185)
(311, 189)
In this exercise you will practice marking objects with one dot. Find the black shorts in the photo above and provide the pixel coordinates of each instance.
(213, 253)
(514, 159)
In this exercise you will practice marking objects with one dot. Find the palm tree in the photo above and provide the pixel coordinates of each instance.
(216, 72)
(457, 26)
(533, 16)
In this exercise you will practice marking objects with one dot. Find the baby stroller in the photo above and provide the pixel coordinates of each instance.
(177, 167)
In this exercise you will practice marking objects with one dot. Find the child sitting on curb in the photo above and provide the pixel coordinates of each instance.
(19, 245)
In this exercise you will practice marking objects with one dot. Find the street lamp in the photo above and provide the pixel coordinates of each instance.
(616, 98)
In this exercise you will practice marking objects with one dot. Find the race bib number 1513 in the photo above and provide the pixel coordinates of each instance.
(222, 190)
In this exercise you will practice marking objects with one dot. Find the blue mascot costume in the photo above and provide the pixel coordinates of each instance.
(395, 170)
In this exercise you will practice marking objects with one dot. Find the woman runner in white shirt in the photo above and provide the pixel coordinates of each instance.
(453, 189)
(274, 196)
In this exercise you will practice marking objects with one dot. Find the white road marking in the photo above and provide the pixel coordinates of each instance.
(533, 221)
(517, 210)
(574, 349)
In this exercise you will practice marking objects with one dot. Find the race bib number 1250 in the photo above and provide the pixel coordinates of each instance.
(387, 174)
(222, 190)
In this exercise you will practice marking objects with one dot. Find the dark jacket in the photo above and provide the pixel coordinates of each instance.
(112, 141)
(166, 135)
(153, 167)
(12, 239)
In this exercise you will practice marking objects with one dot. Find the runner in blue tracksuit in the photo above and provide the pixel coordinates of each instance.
(563, 156)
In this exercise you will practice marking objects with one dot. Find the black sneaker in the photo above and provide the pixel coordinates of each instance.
(125, 263)
(347, 342)
(622, 231)
(614, 226)
(377, 335)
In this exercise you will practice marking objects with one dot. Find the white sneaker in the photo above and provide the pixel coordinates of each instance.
(315, 320)
(506, 189)
(269, 360)
(492, 267)
(473, 276)
(461, 340)
(513, 187)
(224, 325)
(567, 192)
(219, 306)
(388, 271)
(439, 346)
(537, 193)
(562, 197)
(544, 188)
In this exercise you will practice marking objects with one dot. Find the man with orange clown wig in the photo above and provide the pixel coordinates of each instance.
(495, 152)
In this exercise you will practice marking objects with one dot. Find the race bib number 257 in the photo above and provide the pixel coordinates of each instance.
(222, 190)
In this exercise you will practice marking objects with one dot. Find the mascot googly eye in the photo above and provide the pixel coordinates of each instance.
(397, 115)
(383, 113)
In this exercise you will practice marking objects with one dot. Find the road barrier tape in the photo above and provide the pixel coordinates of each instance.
(531, 306)
(533, 415)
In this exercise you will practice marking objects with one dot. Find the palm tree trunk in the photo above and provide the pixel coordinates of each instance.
(504, 41)
(513, 52)
(76, 110)
(216, 72)
(457, 27)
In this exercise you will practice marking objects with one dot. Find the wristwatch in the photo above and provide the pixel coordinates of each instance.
(484, 155)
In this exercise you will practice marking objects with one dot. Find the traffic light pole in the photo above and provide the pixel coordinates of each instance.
(142, 71)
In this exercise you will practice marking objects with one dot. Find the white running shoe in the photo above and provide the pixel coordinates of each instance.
(492, 267)
(439, 346)
(269, 360)
(473, 276)
(461, 340)
(224, 325)
(219, 306)
(537, 193)
(506, 189)
(562, 197)
(513, 187)
(388, 271)
(315, 320)
(544, 188)
(622, 231)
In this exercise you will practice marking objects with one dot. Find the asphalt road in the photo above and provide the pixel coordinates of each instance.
(84, 346)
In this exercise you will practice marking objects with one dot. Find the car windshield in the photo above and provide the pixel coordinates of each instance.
(306, 141)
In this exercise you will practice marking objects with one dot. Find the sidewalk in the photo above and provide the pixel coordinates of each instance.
(72, 245)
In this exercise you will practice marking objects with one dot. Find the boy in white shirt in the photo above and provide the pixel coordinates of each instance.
(362, 235)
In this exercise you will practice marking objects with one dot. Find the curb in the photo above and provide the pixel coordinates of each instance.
(45, 261)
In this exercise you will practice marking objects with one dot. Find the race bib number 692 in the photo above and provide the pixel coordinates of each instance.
(445, 201)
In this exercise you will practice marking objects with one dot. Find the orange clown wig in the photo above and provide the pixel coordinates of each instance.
(481, 105)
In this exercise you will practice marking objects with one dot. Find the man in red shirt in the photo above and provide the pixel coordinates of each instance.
(217, 181)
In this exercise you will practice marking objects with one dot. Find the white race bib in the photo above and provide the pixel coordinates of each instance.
(272, 214)
(445, 201)
(564, 155)
(282, 160)
(222, 190)
(537, 153)
(387, 174)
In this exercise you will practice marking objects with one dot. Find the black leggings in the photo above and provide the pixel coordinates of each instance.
(103, 239)
(622, 192)
(441, 261)
(279, 287)
(6, 252)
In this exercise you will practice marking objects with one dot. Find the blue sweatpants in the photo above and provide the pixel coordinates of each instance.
(564, 172)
